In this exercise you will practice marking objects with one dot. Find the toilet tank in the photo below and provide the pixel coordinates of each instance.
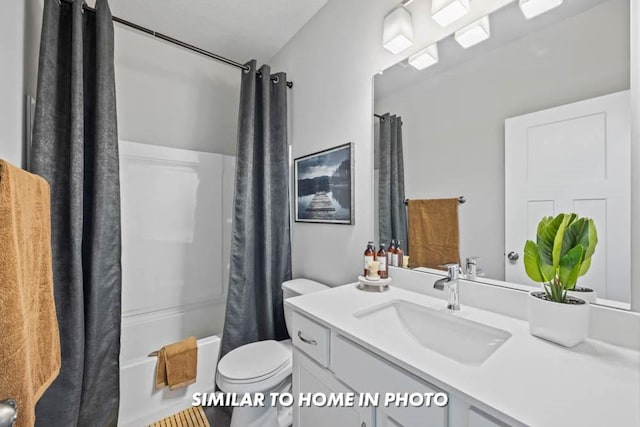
(295, 287)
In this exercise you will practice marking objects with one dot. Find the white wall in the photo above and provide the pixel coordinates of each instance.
(453, 129)
(11, 81)
(332, 60)
(165, 95)
(635, 155)
(172, 97)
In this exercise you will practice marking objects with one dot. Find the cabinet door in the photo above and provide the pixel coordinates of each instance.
(383, 419)
(463, 414)
(308, 377)
(367, 372)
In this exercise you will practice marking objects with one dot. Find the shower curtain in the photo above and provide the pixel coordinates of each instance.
(75, 148)
(392, 215)
(261, 243)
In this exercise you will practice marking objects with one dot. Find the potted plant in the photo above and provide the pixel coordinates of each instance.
(561, 254)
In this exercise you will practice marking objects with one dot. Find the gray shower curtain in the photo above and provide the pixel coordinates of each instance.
(75, 148)
(392, 215)
(261, 243)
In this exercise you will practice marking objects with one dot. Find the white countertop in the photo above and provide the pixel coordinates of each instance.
(529, 379)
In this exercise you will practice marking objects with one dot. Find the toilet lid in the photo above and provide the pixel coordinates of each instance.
(254, 360)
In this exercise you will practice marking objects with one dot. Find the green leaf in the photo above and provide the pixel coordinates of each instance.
(570, 266)
(584, 267)
(559, 238)
(546, 237)
(592, 239)
(575, 234)
(542, 224)
(531, 262)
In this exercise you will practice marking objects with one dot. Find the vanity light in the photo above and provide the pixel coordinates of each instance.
(398, 30)
(474, 33)
(424, 58)
(445, 12)
(532, 8)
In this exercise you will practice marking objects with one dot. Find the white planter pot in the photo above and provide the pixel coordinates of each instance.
(587, 294)
(564, 324)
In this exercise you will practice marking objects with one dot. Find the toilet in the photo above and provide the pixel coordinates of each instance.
(263, 367)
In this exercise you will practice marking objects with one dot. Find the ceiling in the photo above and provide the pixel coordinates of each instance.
(507, 24)
(237, 29)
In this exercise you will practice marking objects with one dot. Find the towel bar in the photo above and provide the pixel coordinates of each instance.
(8, 412)
(461, 200)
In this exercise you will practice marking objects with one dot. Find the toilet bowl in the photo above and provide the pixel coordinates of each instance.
(263, 367)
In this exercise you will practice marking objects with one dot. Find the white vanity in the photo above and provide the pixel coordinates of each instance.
(494, 372)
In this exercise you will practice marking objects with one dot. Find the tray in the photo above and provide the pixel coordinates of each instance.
(380, 285)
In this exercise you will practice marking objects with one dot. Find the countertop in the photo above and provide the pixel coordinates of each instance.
(531, 380)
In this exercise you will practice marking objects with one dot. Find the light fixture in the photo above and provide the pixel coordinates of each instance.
(445, 12)
(532, 8)
(424, 58)
(474, 33)
(398, 30)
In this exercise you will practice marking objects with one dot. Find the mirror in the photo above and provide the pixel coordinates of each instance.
(534, 121)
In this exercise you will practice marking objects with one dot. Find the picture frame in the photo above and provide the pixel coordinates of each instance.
(324, 186)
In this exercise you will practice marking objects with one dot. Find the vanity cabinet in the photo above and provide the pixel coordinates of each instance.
(326, 362)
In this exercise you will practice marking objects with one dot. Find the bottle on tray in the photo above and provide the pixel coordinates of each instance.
(400, 254)
(393, 256)
(369, 256)
(381, 257)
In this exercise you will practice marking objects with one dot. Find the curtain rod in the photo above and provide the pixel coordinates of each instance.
(172, 40)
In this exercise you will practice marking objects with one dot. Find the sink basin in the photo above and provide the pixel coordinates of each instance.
(463, 340)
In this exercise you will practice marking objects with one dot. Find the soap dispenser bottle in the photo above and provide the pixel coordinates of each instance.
(393, 255)
(399, 254)
(369, 256)
(381, 257)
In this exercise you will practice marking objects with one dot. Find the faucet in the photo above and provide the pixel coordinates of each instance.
(451, 282)
(8, 412)
(471, 268)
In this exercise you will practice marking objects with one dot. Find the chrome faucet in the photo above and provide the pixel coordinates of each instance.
(451, 283)
(471, 269)
(8, 412)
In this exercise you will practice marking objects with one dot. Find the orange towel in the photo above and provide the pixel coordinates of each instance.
(29, 337)
(177, 364)
(434, 238)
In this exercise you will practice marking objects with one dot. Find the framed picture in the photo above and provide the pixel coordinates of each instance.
(324, 186)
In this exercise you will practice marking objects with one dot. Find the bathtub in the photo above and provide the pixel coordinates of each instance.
(141, 404)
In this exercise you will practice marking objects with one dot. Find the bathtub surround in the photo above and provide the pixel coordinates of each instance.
(392, 215)
(75, 148)
(260, 246)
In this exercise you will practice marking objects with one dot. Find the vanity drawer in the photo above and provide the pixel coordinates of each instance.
(367, 373)
(312, 338)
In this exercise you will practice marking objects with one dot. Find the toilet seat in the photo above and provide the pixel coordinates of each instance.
(255, 367)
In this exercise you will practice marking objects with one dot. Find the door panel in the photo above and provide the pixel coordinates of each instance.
(573, 158)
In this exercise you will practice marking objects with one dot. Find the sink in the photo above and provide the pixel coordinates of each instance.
(465, 341)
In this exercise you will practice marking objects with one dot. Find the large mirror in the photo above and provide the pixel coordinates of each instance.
(534, 121)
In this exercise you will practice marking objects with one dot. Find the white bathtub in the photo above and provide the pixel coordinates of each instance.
(141, 404)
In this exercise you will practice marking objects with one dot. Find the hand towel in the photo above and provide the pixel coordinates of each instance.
(29, 336)
(434, 238)
(177, 364)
